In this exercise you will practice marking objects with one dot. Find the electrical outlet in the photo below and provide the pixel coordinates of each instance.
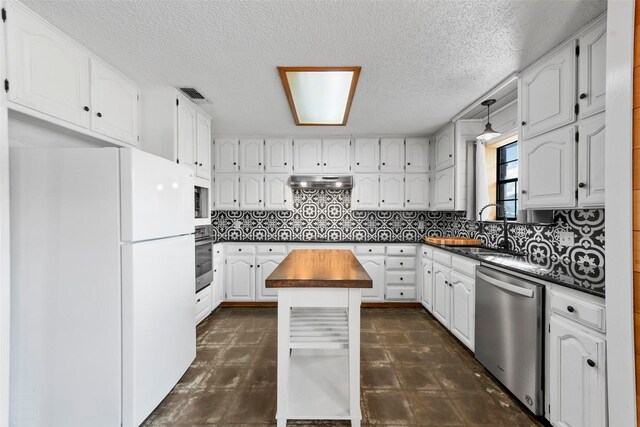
(237, 224)
(566, 238)
(421, 225)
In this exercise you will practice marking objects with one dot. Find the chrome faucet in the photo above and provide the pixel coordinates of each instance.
(505, 239)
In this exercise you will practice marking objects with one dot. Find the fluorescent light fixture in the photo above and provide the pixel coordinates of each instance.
(320, 96)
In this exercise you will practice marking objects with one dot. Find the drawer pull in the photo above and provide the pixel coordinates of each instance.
(402, 263)
(401, 250)
(369, 250)
(570, 309)
(401, 278)
(591, 363)
(401, 293)
(270, 249)
(198, 300)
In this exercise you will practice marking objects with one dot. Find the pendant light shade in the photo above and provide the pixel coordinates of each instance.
(488, 133)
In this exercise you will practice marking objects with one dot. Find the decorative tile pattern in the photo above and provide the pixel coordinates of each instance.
(320, 215)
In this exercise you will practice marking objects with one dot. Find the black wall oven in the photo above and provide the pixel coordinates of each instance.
(204, 257)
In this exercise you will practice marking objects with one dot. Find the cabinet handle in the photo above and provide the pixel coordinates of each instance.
(401, 278)
(317, 164)
(198, 300)
(591, 363)
(239, 250)
(581, 185)
(251, 265)
(358, 200)
(285, 200)
(408, 201)
(86, 108)
(234, 200)
(270, 249)
(570, 309)
(383, 163)
(402, 263)
(524, 191)
(99, 114)
(428, 272)
(524, 123)
(450, 155)
(409, 164)
(583, 95)
(401, 293)
(450, 199)
(285, 163)
(199, 164)
(401, 250)
(383, 201)
(234, 163)
(259, 201)
(215, 271)
(358, 163)
(369, 250)
(258, 265)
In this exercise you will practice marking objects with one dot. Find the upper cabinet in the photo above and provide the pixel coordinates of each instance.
(444, 141)
(203, 145)
(392, 192)
(336, 155)
(313, 156)
(55, 79)
(187, 125)
(392, 155)
(366, 192)
(277, 155)
(416, 192)
(252, 155)
(307, 156)
(591, 144)
(367, 155)
(443, 188)
(592, 78)
(548, 93)
(417, 155)
(225, 155)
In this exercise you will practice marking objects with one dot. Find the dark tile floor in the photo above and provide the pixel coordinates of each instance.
(413, 373)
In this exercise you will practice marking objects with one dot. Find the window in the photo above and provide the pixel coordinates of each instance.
(507, 180)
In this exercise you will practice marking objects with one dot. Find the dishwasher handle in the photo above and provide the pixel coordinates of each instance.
(506, 286)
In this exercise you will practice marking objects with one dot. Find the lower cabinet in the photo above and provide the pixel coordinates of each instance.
(441, 298)
(374, 265)
(203, 304)
(427, 284)
(239, 278)
(217, 293)
(264, 267)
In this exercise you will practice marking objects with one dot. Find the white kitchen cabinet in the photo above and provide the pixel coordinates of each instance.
(366, 192)
(577, 375)
(277, 155)
(277, 193)
(591, 144)
(203, 304)
(417, 155)
(441, 297)
(251, 155)
(46, 70)
(225, 155)
(307, 156)
(592, 70)
(444, 188)
(548, 93)
(187, 128)
(114, 104)
(203, 145)
(392, 155)
(336, 155)
(265, 264)
(226, 191)
(251, 191)
(240, 277)
(444, 142)
(427, 283)
(548, 170)
(416, 192)
(217, 291)
(462, 314)
(374, 266)
(391, 191)
(367, 155)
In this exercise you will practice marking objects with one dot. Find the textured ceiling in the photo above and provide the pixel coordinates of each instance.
(422, 61)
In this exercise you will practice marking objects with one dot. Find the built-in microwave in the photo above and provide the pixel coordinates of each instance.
(201, 202)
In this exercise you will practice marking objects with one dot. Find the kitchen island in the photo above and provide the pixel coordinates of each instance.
(319, 293)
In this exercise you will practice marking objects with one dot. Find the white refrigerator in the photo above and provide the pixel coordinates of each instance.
(102, 284)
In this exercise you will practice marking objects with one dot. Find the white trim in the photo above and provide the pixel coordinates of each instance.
(505, 82)
(618, 218)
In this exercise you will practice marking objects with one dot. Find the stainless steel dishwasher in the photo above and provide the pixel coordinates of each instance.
(510, 333)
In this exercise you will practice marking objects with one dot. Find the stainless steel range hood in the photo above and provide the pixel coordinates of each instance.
(321, 182)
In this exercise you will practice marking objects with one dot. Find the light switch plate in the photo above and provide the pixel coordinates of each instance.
(566, 238)
(420, 225)
(237, 224)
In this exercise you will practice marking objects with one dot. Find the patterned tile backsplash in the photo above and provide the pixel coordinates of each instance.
(326, 215)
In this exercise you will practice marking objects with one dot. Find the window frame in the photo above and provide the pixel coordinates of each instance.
(502, 182)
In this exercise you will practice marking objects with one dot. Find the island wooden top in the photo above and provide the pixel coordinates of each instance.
(319, 268)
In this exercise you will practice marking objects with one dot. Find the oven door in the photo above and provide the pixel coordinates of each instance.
(204, 264)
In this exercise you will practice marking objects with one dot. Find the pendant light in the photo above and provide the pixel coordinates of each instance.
(488, 133)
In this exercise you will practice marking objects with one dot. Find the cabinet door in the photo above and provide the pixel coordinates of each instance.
(577, 390)
(336, 155)
(462, 314)
(226, 191)
(307, 156)
(47, 71)
(251, 191)
(217, 293)
(277, 155)
(251, 155)
(203, 146)
(374, 266)
(277, 194)
(417, 154)
(416, 191)
(592, 78)
(239, 278)
(591, 161)
(225, 155)
(114, 104)
(366, 192)
(427, 283)
(391, 192)
(548, 93)
(441, 303)
(264, 267)
(187, 123)
(444, 187)
(392, 155)
(367, 155)
(548, 170)
(444, 141)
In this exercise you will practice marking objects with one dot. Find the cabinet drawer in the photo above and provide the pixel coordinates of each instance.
(585, 312)
(203, 300)
(401, 263)
(369, 250)
(401, 293)
(464, 265)
(427, 251)
(442, 257)
(271, 249)
(401, 250)
(401, 277)
(240, 249)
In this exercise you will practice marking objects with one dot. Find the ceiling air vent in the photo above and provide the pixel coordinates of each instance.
(194, 95)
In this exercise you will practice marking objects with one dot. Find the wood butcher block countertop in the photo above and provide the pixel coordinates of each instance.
(318, 268)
